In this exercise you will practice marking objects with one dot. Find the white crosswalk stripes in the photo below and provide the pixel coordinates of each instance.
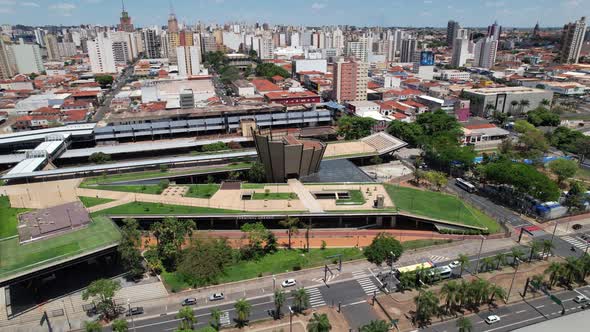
(315, 297)
(224, 319)
(436, 258)
(575, 241)
(368, 285)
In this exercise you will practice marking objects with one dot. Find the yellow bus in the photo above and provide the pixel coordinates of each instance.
(412, 268)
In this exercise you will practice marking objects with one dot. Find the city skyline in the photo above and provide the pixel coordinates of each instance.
(309, 12)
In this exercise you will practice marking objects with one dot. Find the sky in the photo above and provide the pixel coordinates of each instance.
(415, 13)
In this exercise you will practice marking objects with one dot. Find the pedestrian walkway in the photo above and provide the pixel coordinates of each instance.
(224, 319)
(315, 297)
(368, 285)
(305, 196)
(576, 242)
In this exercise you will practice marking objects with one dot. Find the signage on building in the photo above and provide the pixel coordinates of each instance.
(426, 58)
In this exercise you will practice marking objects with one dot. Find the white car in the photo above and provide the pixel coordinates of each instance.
(580, 299)
(454, 264)
(289, 283)
(491, 319)
(216, 297)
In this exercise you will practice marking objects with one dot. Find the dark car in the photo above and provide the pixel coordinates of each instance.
(134, 311)
(189, 301)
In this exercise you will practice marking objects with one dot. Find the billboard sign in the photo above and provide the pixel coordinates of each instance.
(426, 58)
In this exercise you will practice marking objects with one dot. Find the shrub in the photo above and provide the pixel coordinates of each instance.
(323, 246)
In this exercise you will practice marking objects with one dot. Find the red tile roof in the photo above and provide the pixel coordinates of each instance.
(480, 126)
(265, 85)
(287, 94)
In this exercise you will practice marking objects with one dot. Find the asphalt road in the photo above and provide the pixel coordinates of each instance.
(520, 314)
(115, 88)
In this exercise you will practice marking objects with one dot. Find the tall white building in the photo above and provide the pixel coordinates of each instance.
(572, 40)
(152, 44)
(295, 39)
(28, 58)
(460, 48)
(101, 54)
(189, 60)
(338, 38)
(7, 65)
(485, 52)
(40, 37)
(359, 49)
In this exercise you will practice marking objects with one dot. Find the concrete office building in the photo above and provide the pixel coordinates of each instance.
(189, 60)
(151, 44)
(40, 37)
(572, 39)
(485, 52)
(460, 48)
(501, 99)
(66, 49)
(494, 31)
(408, 50)
(101, 54)
(288, 157)
(350, 80)
(300, 65)
(27, 58)
(452, 28)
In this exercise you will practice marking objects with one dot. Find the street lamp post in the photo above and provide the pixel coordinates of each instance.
(274, 282)
(131, 314)
(517, 261)
(554, 229)
(479, 254)
(290, 319)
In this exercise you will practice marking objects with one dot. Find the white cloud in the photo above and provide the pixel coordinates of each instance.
(7, 10)
(318, 6)
(29, 4)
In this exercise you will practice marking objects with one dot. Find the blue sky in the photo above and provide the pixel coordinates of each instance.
(520, 13)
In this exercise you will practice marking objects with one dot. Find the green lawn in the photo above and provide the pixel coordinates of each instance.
(15, 257)
(274, 196)
(8, 218)
(280, 262)
(356, 198)
(153, 189)
(439, 206)
(157, 173)
(93, 201)
(415, 244)
(246, 185)
(202, 190)
(157, 208)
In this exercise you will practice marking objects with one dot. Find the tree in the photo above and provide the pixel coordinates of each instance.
(229, 74)
(541, 116)
(129, 248)
(464, 324)
(408, 132)
(104, 80)
(212, 147)
(92, 326)
(546, 245)
(279, 301)
(102, 291)
(523, 103)
(496, 292)
(300, 299)
(170, 235)
(99, 158)
(257, 173)
(243, 308)
(187, 318)
(376, 326)
(522, 126)
(120, 325)
(256, 234)
(269, 70)
(436, 179)
(291, 224)
(487, 263)
(563, 169)
(535, 247)
(383, 248)
(576, 196)
(204, 260)
(463, 262)
(355, 127)
(516, 255)
(500, 117)
(215, 320)
(426, 306)
(513, 104)
(450, 292)
(319, 323)
(500, 259)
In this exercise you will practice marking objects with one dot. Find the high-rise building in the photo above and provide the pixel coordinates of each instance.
(52, 47)
(66, 49)
(151, 44)
(28, 58)
(7, 68)
(40, 37)
(102, 55)
(452, 28)
(337, 39)
(572, 39)
(485, 52)
(350, 80)
(358, 49)
(125, 20)
(494, 31)
(408, 49)
(460, 48)
(189, 60)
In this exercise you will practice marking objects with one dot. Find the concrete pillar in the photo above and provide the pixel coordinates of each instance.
(392, 222)
(379, 221)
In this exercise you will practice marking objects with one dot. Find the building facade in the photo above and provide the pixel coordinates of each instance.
(572, 39)
(350, 80)
(484, 101)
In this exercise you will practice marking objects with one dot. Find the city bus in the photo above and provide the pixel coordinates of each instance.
(465, 185)
(412, 268)
(441, 272)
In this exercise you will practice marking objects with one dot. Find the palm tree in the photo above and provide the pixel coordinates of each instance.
(187, 318)
(523, 103)
(487, 263)
(279, 301)
(92, 326)
(513, 105)
(573, 269)
(555, 270)
(546, 102)
(427, 305)
(537, 280)
(300, 299)
(463, 293)
(496, 292)
(489, 109)
(516, 255)
(319, 323)
(450, 291)
(463, 261)
(215, 320)
(291, 224)
(243, 308)
(535, 246)
(376, 326)
(120, 325)
(500, 259)
(547, 247)
(464, 324)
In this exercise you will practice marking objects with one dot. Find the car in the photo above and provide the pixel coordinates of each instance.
(134, 311)
(289, 283)
(454, 264)
(580, 299)
(216, 297)
(189, 301)
(491, 319)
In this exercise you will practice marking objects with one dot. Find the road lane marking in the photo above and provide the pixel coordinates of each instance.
(520, 322)
(520, 311)
(540, 306)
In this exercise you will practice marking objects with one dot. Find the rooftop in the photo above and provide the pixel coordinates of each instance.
(507, 89)
(264, 85)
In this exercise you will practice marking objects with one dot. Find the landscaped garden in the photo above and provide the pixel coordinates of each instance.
(93, 201)
(8, 218)
(356, 198)
(274, 196)
(133, 208)
(152, 189)
(202, 190)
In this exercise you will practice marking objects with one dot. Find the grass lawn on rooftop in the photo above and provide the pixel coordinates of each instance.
(439, 206)
(152, 189)
(279, 262)
(356, 198)
(202, 190)
(15, 257)
(93, 201)
(8, 218)
(157, 208)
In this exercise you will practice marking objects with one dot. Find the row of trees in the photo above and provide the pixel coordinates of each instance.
(355, 127)
(574, 269)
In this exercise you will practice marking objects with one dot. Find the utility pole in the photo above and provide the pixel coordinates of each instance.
(479, 254)
(131, 314)
(512, 282)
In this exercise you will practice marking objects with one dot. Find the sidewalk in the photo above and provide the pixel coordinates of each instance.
(155, 301)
